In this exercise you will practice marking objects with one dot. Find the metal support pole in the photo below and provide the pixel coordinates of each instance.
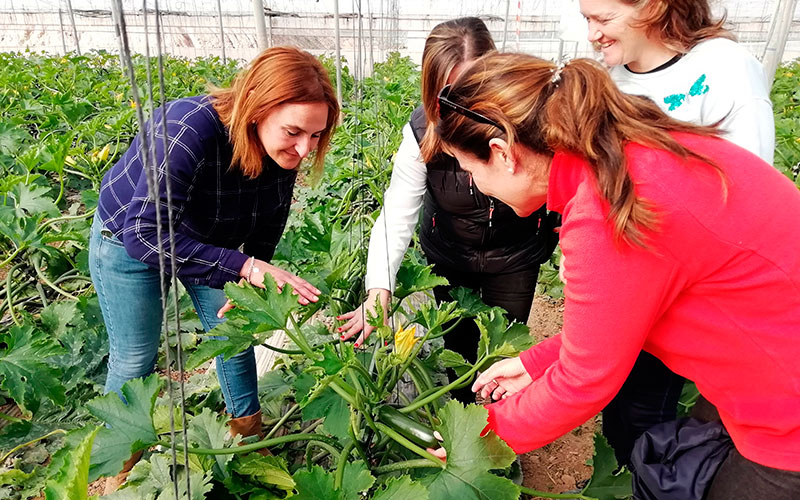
(61, 25)
(269, 31)
(221, 32)
(261, 27)
(338, 52)
(505, 26)
(74, 28)
(775, 47)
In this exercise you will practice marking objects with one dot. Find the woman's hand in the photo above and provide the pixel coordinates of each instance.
(502, 379)
(254, 271)
(357, 320)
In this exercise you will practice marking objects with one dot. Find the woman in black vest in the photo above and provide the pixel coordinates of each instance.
(472, 240)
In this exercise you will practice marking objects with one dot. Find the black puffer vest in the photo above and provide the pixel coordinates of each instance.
(464, 229)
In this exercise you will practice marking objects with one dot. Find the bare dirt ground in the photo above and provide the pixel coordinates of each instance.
(559, 466)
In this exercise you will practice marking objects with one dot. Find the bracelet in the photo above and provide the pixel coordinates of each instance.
(250, 268)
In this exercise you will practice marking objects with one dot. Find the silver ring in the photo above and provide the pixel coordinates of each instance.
(496, 383)
(255, 269)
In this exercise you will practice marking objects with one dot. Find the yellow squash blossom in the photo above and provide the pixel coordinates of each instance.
(404, 341)
(103, 155)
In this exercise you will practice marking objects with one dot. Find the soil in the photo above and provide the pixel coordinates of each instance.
(561, 465)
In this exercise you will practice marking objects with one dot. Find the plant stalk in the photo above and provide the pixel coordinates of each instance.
(420, 463)
(544, 494)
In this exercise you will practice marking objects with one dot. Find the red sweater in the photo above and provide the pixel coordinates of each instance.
(716, 297)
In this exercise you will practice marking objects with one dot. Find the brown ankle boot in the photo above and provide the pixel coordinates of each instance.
(248, 426)
(113, 483)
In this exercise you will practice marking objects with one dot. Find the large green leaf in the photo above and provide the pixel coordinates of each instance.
(69, 477)
(356, 480)
(315, 484)
(415, 277)
(32, 200)
(469, 301)
(238, 337)
(208, 431)
(255, 477)
(330, 406)
(607, 483)
(24, 369)
(130, 426)
(470, 458)
(154, 479)
(263, 308)
(498, 338)
(401, 488)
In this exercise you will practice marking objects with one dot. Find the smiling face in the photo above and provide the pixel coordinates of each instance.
(612, 31)
(291, 131)
(520, 183)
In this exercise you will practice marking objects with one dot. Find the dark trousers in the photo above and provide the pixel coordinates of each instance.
(741, 479)
(511, 291)
(648, 397)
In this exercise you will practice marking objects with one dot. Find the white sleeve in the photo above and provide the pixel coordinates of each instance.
(402, 201)
(751, 125)
(747, 117)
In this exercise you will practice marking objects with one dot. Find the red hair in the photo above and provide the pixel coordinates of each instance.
(279, 75)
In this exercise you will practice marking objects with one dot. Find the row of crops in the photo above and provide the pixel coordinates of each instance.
(340, 427)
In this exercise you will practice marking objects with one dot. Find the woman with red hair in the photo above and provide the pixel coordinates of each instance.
(232, 160)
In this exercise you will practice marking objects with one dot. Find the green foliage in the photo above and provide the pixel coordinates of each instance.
(470, 458)
(70, 467)
(786, 106)
(24, 370)
(607, 483)
(130, 426)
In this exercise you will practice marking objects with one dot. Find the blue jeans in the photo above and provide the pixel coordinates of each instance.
(130, 298)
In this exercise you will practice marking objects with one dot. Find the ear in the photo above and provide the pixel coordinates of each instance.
(501, 154)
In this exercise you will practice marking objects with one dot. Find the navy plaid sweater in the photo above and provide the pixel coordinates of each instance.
(215, 208)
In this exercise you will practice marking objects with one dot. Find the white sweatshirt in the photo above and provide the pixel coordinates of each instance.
(399, 216)
(717, 79)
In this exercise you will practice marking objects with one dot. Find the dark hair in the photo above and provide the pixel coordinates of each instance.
(582, 112)
(449, 44)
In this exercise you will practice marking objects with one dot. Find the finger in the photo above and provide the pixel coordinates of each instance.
(347, 315)
(438, 436)
(498, 393)
(222, 310)
(355, 328)
(483, 379)
(365, 333)
(439, 453)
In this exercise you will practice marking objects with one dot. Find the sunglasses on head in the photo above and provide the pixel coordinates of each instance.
(446, 105)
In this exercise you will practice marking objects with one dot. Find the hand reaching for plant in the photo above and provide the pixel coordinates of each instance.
(357, 320)
(503, 379)
(254, 270)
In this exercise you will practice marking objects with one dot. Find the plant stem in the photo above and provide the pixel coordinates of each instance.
(247, 448)
(57, 431)
(544, 494)
(14, 254)
(409, 445)
(8, 295)
(444, 390)
(65, 218)
(282, 421)
(5, 416)
(49, 283)
(449, 329)
(419, 463)
(337, 479)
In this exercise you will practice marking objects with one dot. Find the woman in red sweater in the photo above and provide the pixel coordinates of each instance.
(676, 242)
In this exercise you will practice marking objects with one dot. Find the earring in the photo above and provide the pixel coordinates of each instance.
(510, 170)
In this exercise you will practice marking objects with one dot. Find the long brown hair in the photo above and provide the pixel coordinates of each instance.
(449, 44)
(582, 112)
(278, 75)
(679, 24)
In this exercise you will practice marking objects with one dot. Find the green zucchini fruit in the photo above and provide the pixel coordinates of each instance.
(407, 427)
